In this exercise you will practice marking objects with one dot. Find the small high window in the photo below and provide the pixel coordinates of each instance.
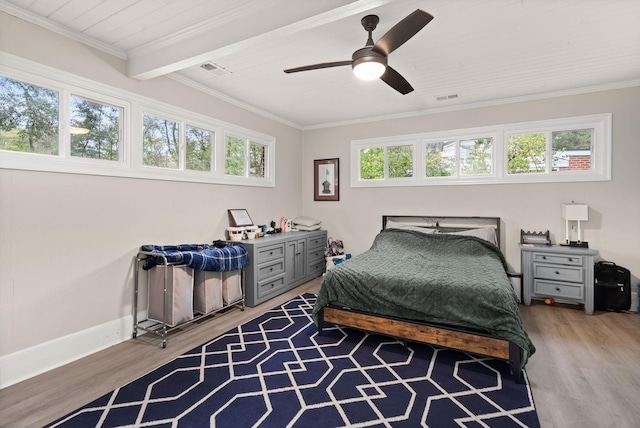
(95, 129)
(160, 142)
(29, 117)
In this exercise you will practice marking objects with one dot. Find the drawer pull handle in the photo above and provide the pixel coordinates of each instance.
(570, 259)
(557, 288)
(557, 273)
(270, 269)
(544, 257)
(271, 253)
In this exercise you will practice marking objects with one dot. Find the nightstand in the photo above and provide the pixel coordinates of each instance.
(560, 272)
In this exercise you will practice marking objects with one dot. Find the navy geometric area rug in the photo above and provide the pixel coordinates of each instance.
(275, 371)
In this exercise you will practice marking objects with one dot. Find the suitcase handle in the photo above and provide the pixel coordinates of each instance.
(606, 263)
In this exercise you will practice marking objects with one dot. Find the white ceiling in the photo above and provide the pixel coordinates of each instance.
(483, 51)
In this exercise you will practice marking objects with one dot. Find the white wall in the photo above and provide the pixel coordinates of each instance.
(67, 242)
(613, 227)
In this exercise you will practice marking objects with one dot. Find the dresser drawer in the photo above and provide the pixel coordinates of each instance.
(316, 255)
(318, 241)
(272, 252)
(557, 289)
(270, 286)
(317, 268)
(557, 272)
(270, 269)
(562, 259)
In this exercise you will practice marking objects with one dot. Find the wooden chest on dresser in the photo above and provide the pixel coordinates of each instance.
(281, 262)
(564, 274)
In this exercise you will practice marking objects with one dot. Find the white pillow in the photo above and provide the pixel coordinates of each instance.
(306, 221)
(486, 233)
(395, 225)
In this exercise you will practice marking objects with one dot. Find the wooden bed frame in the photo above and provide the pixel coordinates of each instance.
(431, 333)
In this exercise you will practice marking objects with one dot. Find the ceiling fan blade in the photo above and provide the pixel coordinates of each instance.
(396, 81)
(318, 66)
(402, 31)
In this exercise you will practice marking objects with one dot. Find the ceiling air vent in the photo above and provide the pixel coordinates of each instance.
(214, 69)
(447, 97)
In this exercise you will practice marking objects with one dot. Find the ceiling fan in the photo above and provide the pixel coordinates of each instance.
(370, 62)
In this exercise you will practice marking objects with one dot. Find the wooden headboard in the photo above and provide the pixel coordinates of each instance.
(446, 223)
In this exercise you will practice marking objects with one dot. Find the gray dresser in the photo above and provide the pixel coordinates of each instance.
(564, 274)
(281, 262)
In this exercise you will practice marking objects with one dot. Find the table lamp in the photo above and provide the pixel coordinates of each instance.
(578, 213)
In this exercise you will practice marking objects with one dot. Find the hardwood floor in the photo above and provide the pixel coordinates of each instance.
(585, 372)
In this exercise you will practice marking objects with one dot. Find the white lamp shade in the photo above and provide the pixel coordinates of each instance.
(575, 212)
(369, 70)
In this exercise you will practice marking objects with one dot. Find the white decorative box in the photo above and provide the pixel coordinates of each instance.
(207, 291)
(179, 303)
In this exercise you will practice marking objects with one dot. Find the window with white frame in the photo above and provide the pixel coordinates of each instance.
(95, 129)
(245, 157)
(53, 121)
(387, 161)
(29, 117)
(557, 150)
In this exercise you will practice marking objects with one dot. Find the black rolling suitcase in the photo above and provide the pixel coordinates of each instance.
(612, 287)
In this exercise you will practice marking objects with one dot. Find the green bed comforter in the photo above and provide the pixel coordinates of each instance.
(433, 278)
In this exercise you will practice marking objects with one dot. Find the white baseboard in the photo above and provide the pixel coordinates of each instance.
(41, 358)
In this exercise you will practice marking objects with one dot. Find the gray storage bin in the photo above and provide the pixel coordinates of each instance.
(207, 291)
(231, 286)
(179, 303)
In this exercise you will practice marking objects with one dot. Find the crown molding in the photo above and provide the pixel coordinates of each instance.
(21, 13)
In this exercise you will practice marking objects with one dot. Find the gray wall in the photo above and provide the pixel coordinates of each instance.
(614, 206)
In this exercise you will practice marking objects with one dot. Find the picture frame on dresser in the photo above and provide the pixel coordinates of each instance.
(239, 218)
(326, 179)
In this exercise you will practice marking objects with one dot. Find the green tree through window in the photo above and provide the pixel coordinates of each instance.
(160, 140)
(526, 153)
(97, 130)
(199, 142)
(29, 117)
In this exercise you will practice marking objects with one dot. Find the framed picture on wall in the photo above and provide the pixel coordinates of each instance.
(326, 184)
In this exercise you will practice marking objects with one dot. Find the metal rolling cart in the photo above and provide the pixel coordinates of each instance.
(163, 328)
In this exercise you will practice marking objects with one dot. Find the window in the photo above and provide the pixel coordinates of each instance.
(440, 159)
(527, 153)
(160, 142)
(558, 151)
(51, 120)
(400, 160)
(234, 159)
(471, 156)
(199, 148)
(245, 157)
(95, 129)
(476, 156)
(392, 161)
(257, 159)
(29, 117)
(570, 149)
(372, 163)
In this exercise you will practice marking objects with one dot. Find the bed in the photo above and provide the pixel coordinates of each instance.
(438, 280)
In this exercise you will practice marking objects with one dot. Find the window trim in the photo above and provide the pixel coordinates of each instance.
(131, 162)
(600, 152)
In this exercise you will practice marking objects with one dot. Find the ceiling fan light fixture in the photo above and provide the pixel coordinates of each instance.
(370, 70)
(368, 65)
